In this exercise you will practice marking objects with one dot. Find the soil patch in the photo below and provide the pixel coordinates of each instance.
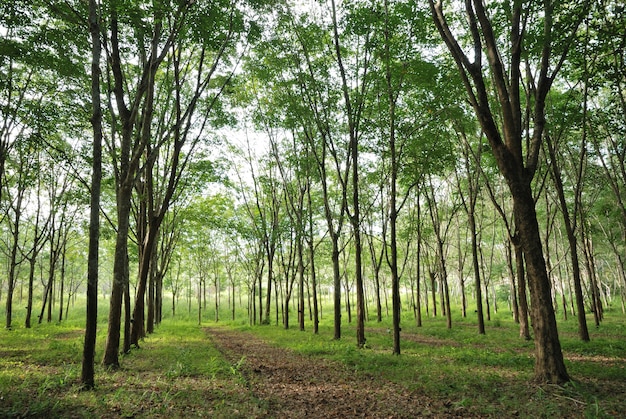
(291, 385)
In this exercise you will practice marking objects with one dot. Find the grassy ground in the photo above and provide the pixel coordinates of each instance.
(178, 372)
(490, 373)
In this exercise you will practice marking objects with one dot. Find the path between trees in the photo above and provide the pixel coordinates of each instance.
(290, 385)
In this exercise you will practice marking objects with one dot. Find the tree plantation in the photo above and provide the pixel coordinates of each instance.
(432, 192)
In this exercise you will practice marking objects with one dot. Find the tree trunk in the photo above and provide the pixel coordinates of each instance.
(476, 269)
(596, 302)
(127, 312)
(89, 347)
(524, 329)
(13, 262)
(316, 314)
(336, 287)
(152, 285)
(138, 330)
(583, 331)
(62, 284)
(444, 283)
(514, 301)
(433, 290)
(348, 304)
(461, 273)
(301, 312)
(31, 279)
(549, 365)
(268, 292)
(120, 278)
(418, 263)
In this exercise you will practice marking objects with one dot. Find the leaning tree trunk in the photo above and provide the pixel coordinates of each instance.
(570, 225)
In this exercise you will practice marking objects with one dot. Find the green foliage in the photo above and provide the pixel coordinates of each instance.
(291, 89)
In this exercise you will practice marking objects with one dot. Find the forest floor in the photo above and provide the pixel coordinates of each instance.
(297, 386)
(290, 384)
(184, 370)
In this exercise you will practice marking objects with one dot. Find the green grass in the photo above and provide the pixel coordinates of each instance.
(488, 374)
(178, 373)
(175, 373)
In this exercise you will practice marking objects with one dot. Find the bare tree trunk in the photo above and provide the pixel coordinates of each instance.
(87, 374)
(418, 261)
(13, 263)
(433, 289)
(596, 302)
(570, 226)
(514, 300)
(524, 330)
(311, 248)
(476, 268)
(355, 217)
(461, 273)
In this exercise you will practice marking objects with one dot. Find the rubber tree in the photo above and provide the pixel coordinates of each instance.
(291, 78)
(515, 140)
(154, 34)
(89, 346)
(187, 98)
(353, 98)
(471, 157)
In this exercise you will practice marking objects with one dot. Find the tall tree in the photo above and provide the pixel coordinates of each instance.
(158, 192)
(505, 127)
(470, 159)
(89, 347)
(353, 100)
(155, 31)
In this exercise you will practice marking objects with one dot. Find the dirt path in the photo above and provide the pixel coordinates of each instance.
(289, 385)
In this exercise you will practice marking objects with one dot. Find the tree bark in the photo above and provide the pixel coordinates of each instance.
(476, 269)
(355, 217)
(549, 365)
(524, 329)
(120, 278)
(89, 346)
(505, 138)
(570, 225)
(311, 249)
(514, 299)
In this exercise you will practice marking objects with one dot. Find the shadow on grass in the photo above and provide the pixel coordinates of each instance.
(176, 373)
